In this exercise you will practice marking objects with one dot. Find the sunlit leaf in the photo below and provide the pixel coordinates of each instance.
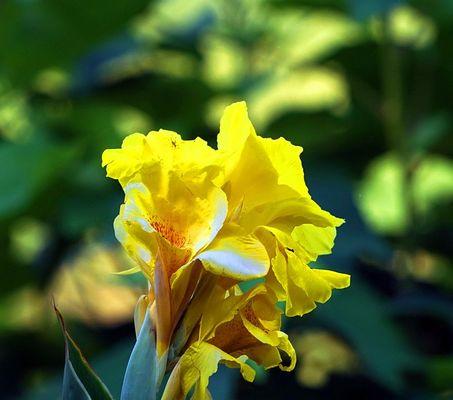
(224, 62)
(28, 238)
(433, 183)
(301, 40)
(309, 89)
(381, 196)
(407, 27)
(89, 288)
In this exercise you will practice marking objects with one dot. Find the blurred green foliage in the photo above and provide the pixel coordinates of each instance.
(363, 86)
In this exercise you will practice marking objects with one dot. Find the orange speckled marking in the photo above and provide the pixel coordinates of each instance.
(169, 233)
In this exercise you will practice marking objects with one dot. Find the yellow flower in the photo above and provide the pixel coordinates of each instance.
(244, 326)
(172, 214)
(198, 220)
(267, 195)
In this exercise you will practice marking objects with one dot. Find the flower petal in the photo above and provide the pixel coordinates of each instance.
(238, 257)
(226, 307)
(285, 158)
(287, 214)
(139, 244)
(315, 240)
(125, 162)
(336, 280)
(292, 279)
(283, 283)
(196, 366)
(160, 218)
(248, 325)
(264, 177)
(235, 128)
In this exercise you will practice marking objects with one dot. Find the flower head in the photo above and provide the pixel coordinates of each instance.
(197, 221)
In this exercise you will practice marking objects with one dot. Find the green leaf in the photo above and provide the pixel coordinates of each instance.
(80, 382)
(381, 196)
(27, 170)
(433, 183)
(140, 378)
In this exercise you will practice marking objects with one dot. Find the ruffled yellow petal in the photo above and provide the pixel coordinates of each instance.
(159, 152)
(315, 240)
(125, 162)
(316, 285)
(248, 326)
(194, 369)
(235, 131)
(265, 310)
(282, 355)
(235, 128)
(265, 355)
(286, 347)
(250, 176)
(234, 326)
(262, 318)
(238, 257)
(265, 179)
(254, 181)
(285, 158)
(306, 278)
(287, 214)
(292, 279)
(281, 281)
(336, 280)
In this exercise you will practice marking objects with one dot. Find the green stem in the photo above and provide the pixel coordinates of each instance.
(394, 124)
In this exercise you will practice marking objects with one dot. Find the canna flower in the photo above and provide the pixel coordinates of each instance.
(267, 196)
(197, 221)
(173, 215)
(244, 326)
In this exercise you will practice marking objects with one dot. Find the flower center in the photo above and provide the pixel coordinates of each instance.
(169, 233)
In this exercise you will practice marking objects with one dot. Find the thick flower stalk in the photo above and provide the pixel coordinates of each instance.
(198, 221)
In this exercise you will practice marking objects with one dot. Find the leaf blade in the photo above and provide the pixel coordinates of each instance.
(140, 378)
(80, 382)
